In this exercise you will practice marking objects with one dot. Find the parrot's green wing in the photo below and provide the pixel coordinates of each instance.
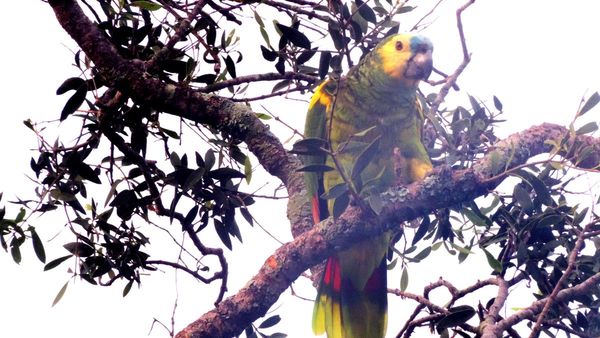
(315, 127)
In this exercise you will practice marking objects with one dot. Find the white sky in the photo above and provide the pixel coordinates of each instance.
(539, 57)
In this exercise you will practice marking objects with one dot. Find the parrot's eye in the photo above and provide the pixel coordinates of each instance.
(399, 45)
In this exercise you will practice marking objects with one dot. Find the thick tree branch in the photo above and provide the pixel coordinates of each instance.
(129, 76)
(234, 119)
(442, 189)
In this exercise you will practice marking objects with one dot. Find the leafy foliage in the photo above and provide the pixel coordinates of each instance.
(124, 168)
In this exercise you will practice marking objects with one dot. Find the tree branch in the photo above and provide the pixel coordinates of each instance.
(493, 331)
(259, 77)
(234, 119)
(129, 76)
(566, 274)
(441, 189)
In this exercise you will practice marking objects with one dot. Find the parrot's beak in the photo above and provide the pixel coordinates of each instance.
(420, 65)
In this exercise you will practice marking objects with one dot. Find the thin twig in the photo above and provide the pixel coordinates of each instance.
(451, 80)
(178, 266)
(426, 15)
(180, 33)
(277, 93)
(259, 77)
(296, 9)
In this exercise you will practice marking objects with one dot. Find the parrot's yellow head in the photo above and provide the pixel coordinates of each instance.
(406, 57)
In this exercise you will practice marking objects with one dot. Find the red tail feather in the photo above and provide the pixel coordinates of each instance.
(316, 214)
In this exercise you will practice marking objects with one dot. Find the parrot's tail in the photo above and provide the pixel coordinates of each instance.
(343, 311)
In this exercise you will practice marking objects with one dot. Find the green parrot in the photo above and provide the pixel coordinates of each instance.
(375, 103)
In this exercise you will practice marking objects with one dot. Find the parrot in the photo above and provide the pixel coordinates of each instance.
(376, 100)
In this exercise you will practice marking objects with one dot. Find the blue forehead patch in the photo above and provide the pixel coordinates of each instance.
(420, 43)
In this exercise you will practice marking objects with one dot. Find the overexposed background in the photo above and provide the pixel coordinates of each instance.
(539, 57)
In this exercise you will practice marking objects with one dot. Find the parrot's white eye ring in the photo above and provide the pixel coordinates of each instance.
(399, 45)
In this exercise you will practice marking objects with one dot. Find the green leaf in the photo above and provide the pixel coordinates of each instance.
(193, 179)
(269, 322)
(263, 116)
(38, 246)
(579, 216)
(209, 160)
(522, 197)
(79, 249)
(312, 146)
(474, 218)
(365, 158)
(404, 279)
(376, 203)
(169, 133)
(319, 168)
(20, 215)
(147, 5)
(15, 252)
(405, 9)
(127, 287)
(191, 215)
(497, 165)
(230, 65)
(422, 230)
(324, 64)
(280, 65)
(366, 12)
(73, 83)
(392, 264)
(587, 128)
(340, 204)
(497, 103)
(74, 102)
(277, 335)
(460, 249)
(265, 36)
(423, 254)
(463, 253)
(223, 174)
(335, 191)
(258, 19)
(205, 78)
(294, 36)
(248, 169)
(364, 132)
(62, 196)
(492, 261)
(339, 40)
(60, 294)
(223, 233)
(56, 262)
(591, 102)
(281, 85)
(458, 315)
(87, 173)
(542, 192)
(247, 216)
(305, 56)
(551, 219)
